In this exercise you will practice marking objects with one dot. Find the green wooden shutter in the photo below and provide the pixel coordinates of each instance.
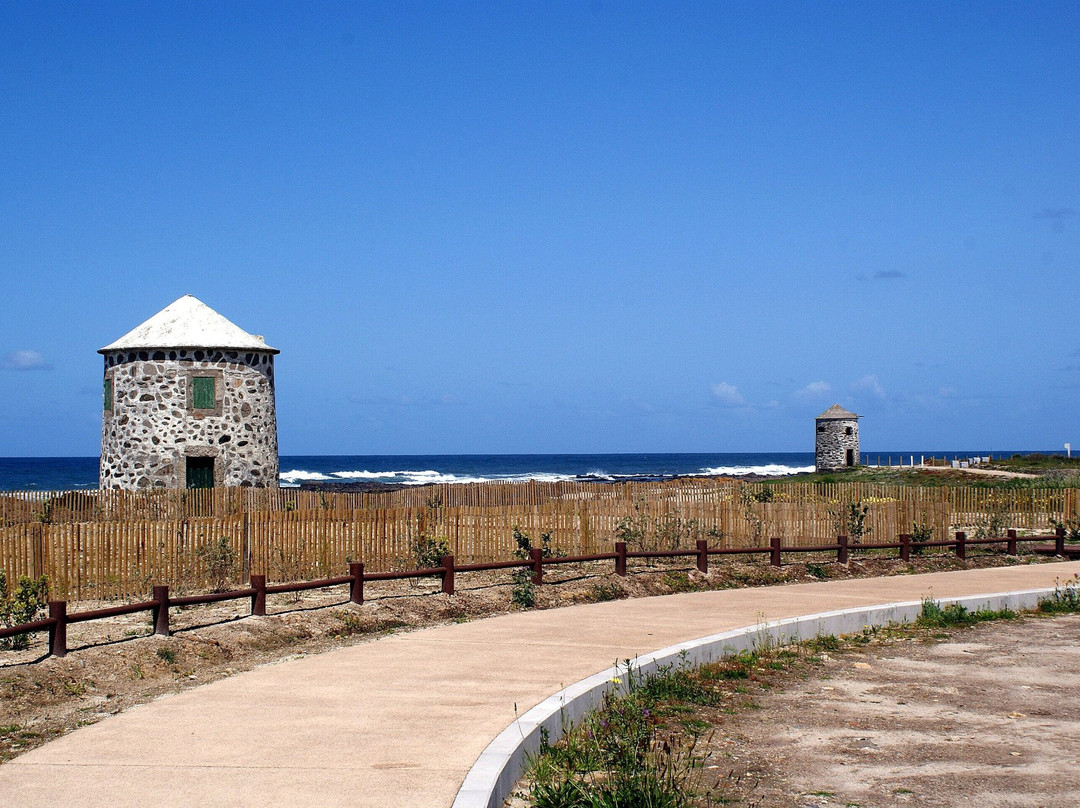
(108, 395)
(202, 393)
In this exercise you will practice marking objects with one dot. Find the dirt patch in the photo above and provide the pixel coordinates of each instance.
(982, 716)
(116, 663)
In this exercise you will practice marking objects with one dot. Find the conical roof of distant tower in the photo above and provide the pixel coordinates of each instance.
(837, 413)
(188, 323)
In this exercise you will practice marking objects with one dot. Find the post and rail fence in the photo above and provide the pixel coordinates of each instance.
(111, 545)
(257, 590)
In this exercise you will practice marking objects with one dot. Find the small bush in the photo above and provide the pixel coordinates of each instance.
(428, 551)
(523, 592)
(220, 561)
(24, 605)
(167, 655)
(678, 581)
(920, 532)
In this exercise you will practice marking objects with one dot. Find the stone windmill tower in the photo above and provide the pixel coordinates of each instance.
(189, 403)
(836, 444)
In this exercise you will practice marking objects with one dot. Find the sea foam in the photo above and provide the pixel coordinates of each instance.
(769, 470)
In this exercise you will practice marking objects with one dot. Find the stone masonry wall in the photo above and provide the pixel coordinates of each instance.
(153, 427)
(832, 443)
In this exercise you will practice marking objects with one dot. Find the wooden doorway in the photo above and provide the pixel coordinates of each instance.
(200, 472)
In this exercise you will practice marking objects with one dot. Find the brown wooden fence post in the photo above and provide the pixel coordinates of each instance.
(841, 549)
(356, 587)
(1059, 541)
(258, 599)
(448, 575)
(536, 556)
(161, 611)
(1010, 548)
(961, 544)
(774, 544)
(58, 633)
(703, 556)
(620, 558)
(905, 546)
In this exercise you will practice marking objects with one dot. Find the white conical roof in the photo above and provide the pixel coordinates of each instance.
(188, 323)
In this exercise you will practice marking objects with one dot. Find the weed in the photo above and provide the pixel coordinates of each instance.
(678, 581)
(995, 517)
(352, 623)
(220, 561)
(934, 615)
(824, 642)
(167, 655)
(137, 672)
(818, 571)
(1064, 599)
(607, 591)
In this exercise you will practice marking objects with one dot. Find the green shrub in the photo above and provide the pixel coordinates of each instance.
(920, 531)
(26, 604)
(428, 551)
(523, 591)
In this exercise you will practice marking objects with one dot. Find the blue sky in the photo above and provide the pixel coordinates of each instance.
(555, 227)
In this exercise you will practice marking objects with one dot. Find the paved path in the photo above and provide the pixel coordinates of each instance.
(399, 721)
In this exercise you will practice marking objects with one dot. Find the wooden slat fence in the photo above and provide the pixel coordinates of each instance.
(112, 544)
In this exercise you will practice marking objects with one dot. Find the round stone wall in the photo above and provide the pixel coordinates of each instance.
(835, 438)
(164, 411)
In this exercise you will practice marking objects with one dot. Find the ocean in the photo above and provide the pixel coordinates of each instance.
(72, 473)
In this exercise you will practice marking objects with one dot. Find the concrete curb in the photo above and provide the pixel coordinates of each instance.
(493, 776)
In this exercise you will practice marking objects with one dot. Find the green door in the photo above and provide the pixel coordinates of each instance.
(200, 472)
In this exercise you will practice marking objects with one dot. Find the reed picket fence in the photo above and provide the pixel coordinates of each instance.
(100, 545)
(162, 600)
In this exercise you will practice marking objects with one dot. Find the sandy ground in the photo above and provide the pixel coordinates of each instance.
(987, 718)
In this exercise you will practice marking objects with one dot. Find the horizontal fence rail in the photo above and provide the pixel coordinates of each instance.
(100, 545)
(161, 601)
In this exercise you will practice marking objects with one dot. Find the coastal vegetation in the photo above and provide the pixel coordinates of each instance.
(1039, 470)
(651, 742)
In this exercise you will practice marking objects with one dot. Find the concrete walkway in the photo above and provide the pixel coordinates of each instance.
(399, 721)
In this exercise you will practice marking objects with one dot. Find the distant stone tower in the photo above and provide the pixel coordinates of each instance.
(837, 439)
(189, 403)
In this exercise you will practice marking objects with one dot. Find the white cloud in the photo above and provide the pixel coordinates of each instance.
(813, 390)
(24, 360)
(728, 395)
(869, 384)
